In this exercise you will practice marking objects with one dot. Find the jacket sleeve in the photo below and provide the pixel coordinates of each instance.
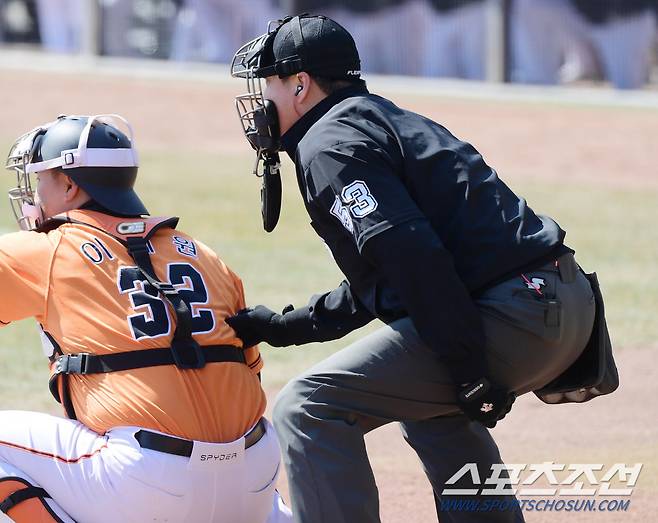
(355, 184)
(418, 267)
(327, 316)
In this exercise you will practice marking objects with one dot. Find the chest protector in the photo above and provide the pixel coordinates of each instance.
(184, 352)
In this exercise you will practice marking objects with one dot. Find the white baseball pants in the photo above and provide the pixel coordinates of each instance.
(109, 478)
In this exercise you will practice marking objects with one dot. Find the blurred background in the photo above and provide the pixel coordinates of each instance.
(525, 41)
(579, 144)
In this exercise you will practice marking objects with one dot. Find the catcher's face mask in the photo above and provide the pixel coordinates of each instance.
(21, 198)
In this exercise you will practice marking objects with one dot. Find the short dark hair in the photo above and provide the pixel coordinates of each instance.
(331, 85)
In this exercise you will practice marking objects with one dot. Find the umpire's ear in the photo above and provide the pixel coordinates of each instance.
(306, 92)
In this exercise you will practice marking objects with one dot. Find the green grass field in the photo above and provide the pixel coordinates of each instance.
(612, 230)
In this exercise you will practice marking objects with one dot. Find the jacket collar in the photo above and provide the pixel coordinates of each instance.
(290, 140)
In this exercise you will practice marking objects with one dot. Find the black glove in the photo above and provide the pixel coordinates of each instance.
(485, 402)
(258, 324)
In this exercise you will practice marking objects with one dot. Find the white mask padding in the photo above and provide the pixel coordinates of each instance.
(33, 213)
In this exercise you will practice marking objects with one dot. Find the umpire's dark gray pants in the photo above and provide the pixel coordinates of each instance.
(391, 375)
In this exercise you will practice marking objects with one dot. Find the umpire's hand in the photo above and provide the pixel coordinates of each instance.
(257, 324)
(485, 402)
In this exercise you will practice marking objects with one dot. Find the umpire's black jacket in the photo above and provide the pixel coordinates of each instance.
(415, 219)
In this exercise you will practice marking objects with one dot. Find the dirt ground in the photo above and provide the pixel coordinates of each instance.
(616, 429)
(523, 139)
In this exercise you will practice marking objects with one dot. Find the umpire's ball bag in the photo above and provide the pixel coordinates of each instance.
(594, 373)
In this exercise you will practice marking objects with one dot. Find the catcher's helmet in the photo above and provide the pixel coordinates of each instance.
(91, 150)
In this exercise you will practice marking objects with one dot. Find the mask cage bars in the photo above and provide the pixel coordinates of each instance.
(244, 64)
(20, 156)
(247, 104)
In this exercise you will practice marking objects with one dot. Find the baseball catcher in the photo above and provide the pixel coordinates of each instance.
(164, 405)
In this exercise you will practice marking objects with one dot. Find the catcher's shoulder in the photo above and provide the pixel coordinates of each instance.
(29, 244)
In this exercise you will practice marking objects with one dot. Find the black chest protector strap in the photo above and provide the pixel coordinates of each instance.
(85, 363)
(186, 352)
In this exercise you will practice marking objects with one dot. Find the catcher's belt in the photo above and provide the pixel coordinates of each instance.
(183, 447)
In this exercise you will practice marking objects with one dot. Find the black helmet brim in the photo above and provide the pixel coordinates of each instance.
(120, 199)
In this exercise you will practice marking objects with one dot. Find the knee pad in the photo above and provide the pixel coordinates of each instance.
(25, 503)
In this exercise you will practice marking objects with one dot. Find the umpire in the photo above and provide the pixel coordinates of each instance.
(481, 298)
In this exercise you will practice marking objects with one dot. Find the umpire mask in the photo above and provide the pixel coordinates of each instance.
(314, 44)
(260, 123)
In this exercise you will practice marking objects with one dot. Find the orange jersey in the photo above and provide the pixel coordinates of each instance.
(83, 287)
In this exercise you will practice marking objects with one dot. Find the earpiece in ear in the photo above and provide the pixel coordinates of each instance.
(298, 90)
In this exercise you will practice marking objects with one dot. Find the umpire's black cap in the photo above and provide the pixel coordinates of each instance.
(311, 43)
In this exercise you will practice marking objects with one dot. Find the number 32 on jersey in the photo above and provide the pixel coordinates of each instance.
(152, 317)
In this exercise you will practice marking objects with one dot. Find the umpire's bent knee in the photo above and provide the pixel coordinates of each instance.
(291, 405)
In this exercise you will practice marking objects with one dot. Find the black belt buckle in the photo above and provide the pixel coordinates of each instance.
(187, 354)
(72, 364)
